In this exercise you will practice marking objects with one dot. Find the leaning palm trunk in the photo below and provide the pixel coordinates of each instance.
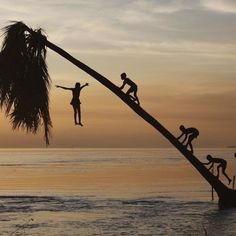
(227, 197)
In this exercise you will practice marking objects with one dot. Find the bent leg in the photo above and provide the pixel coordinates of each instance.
(218, 170)
(224, 173)
(136, 97)
(226, 176)
(190, 139)
(129, 91)
(185, 137)
(191, 147)
(132, 98)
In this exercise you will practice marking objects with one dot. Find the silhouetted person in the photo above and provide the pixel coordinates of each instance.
(189, 134)
(133, 87)
(222, 164)
(75, 102)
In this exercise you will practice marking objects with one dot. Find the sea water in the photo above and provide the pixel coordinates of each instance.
(109, 192)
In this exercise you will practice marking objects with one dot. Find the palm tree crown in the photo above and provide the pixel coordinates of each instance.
(24, 79)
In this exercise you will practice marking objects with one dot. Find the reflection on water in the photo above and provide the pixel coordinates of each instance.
(108, 192)
(91, 216)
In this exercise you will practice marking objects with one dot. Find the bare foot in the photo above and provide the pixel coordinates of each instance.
(80, 124)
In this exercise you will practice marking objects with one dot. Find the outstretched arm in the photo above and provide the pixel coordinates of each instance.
(87, 84)
(58, 86)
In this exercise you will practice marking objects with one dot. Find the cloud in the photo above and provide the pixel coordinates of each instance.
(128, 26)
(224, 6)
(166, 6)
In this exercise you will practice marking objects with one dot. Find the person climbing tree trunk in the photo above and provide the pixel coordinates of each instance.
(29, 43)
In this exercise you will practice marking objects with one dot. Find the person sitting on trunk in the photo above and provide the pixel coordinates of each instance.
(221, 164)
(133, 87)
(189, 134)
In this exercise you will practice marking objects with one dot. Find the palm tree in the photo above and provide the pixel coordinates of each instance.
(25, 49)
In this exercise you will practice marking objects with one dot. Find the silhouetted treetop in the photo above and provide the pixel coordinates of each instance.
(24, 79)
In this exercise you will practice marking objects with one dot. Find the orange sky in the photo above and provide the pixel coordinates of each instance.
(180, 53)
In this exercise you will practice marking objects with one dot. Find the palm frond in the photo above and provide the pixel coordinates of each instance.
(24, 79)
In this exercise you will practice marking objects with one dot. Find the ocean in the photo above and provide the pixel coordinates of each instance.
(109, 192)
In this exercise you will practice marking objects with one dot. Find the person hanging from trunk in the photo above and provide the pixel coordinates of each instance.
(221, 164)
(189, 134)
(75, 102)
(132, 89)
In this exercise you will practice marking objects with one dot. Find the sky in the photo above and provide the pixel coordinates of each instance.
(181, 53)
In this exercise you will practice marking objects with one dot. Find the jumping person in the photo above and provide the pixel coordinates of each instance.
(189, 134)
(75, 102)
(221, 164)
(133, 87)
